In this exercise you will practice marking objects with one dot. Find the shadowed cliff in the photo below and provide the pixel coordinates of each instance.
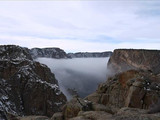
(26, 87)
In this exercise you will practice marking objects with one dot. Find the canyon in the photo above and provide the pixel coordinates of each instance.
(30, 90)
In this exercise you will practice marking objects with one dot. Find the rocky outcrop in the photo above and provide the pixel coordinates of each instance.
(33, 118)
(73, 111)
(57, 116)
(137, 89)
(13, 52)
(74, 106)
(126, 59)
(93, 115)
(48, 53)
(134, 114)
(89, 54)
(26, 87)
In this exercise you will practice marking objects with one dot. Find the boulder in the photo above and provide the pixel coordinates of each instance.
(99, 107)
(96, 115)
(57, 116)
(72, 108)
(34, 118)
(123, 114)
(79, 118)
(94, 97)
(134, 114)
(133, 111)
(155, 108)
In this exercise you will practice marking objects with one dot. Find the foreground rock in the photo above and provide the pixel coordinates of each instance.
(58, 116)
(122, 114)
(26, 87)
(135, 114)
(94, 115)
(125, 59)
(33, 118)
(137, 89)
(73, 110)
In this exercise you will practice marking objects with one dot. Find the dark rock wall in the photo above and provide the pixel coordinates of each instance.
(27, 87)
(137, 89)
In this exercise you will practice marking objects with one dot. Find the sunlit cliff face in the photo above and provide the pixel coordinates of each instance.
(81, 74)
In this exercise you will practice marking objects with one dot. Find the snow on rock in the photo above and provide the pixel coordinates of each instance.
(26, 86)
(10, 52)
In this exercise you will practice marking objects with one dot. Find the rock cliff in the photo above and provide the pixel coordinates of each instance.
(137, 82)
(79, 109)
(89, 54)
(48, 53)
(26, 87)
(125, 59)
(13, 52)
(137, 89)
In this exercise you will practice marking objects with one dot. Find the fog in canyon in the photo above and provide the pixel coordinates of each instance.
(81, 74)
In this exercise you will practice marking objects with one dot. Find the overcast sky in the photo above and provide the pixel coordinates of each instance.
(81, 25)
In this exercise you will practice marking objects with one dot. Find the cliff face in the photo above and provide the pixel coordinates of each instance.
(137, 84)
(48, 53)
(26, 87)
(89, 54)
(125, 59)
(137, 89)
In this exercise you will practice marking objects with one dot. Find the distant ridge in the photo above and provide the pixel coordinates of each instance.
(60, 54)
(90, 54)
(48, 53)
(126, 59)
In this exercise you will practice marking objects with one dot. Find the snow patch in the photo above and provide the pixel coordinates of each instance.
(58, 103)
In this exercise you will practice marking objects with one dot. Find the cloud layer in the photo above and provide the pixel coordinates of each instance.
(81, 25)
(83, 74)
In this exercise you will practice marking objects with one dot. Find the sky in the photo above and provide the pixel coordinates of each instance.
(86, 25)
